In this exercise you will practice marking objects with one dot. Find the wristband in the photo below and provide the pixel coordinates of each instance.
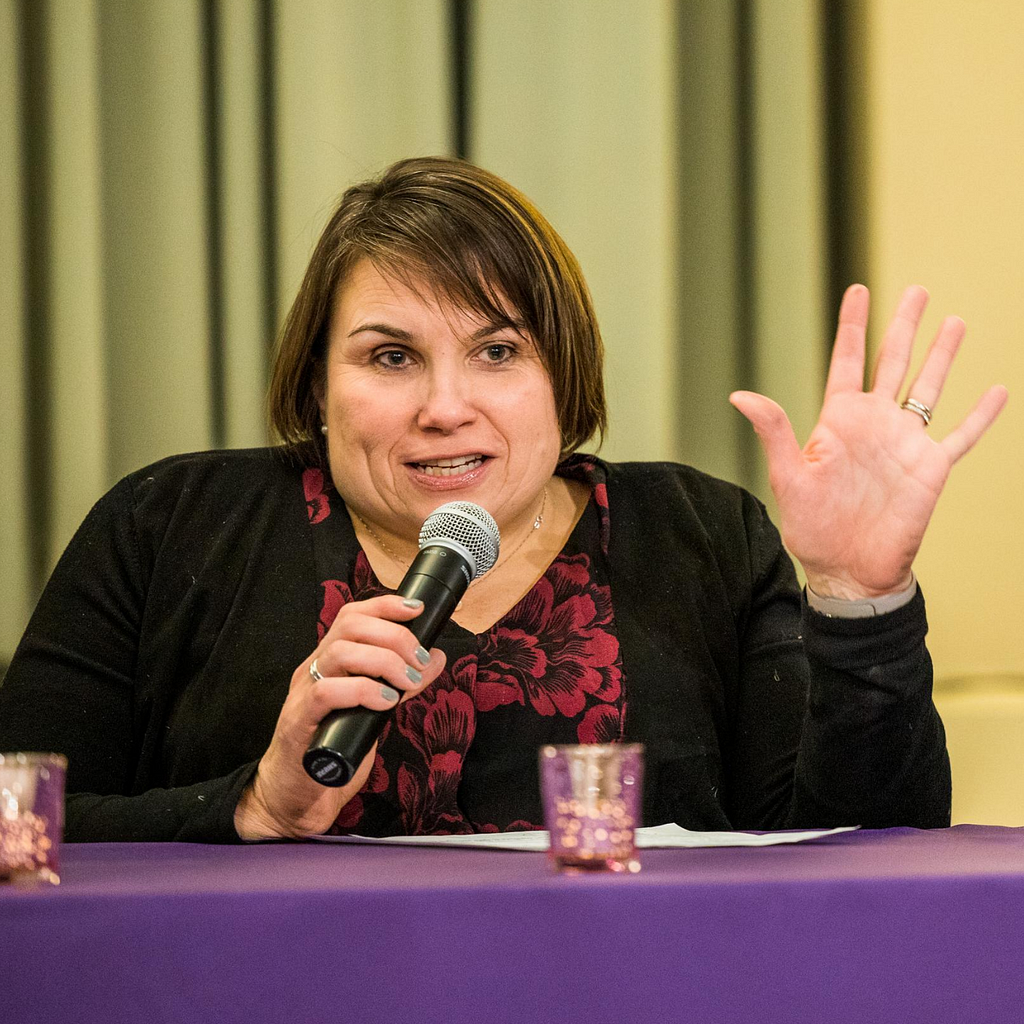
(862, 608)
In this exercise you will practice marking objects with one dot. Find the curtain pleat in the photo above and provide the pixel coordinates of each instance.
(243, 187)
(714, 264)
(77, 392)
(792, 328)
(15, 527)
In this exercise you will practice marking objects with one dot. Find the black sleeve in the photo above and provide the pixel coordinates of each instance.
(72, 689)
(203, 813)
(836, 724)
(873, 745)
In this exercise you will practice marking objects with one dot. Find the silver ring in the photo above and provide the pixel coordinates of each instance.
(315, 672)
(920, 408)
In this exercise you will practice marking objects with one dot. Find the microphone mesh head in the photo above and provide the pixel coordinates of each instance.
(469, 526)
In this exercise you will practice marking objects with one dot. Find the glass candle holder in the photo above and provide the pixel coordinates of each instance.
(592, 795)
(31, 816)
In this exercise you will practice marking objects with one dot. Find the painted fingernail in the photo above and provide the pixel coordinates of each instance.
(414, 676)
(388, 693)
(412, 602)
(423, 656)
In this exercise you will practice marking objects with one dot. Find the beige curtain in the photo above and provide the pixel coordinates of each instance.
(167, 164)
(679, 148)
(166, 167)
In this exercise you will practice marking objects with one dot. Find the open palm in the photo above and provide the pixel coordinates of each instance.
(855, 502)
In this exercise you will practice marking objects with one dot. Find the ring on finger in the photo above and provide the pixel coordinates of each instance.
(922, 410)
(314, 671)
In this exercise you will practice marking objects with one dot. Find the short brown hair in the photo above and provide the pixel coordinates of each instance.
(479, 244)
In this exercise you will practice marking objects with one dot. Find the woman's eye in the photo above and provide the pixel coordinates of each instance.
(392, 358)
(499, 352)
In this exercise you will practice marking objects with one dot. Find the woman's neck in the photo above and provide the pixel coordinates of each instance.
(531, 545)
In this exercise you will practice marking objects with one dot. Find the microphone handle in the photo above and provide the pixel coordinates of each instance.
(438, 577)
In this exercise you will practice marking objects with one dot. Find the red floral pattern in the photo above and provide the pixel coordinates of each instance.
(559, 652)
(602, 723)
(318, 506)
(439, 724)
(551, 663)
(336, 594)
(377, 782)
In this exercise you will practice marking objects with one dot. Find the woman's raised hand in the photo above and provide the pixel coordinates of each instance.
(368, 658)
(855, 502)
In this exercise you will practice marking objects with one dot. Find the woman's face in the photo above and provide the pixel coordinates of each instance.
(424, 405)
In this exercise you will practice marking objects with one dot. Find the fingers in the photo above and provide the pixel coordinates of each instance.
(338, 658)
(378, 622)
(894, 355)
(368, 659)
(774, 431)
(960, 441)
(348, 687)
(846, 370)
(391, 607)
(928, 384)
(331, 693)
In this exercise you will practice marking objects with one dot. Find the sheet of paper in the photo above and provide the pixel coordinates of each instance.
(654, 837)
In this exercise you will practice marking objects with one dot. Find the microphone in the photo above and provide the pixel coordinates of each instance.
(458, 543)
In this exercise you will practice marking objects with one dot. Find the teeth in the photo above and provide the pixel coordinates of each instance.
(451, 467)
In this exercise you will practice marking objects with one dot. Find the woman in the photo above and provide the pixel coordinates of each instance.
(214, 607)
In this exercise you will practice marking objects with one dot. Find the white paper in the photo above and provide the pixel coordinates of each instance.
(654, 837)
(665, 836)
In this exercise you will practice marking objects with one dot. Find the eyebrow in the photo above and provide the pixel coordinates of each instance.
(402, 335)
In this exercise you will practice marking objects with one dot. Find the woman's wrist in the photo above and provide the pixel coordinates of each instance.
(253, 820)
(860, 607)
(250, 822)
(842, 588)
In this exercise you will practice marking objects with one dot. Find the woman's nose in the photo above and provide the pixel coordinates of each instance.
(448, 402)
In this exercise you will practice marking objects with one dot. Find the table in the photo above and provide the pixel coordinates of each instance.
(888, 926)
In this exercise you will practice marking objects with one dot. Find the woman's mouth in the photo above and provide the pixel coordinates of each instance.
(458, 466)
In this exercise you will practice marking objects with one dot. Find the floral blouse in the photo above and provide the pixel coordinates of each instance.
(461, 755)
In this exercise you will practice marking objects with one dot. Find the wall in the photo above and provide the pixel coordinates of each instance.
(945, 166)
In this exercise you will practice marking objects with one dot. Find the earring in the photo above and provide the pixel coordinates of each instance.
(323, 428)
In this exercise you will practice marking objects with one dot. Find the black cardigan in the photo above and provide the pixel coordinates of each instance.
(160, 654)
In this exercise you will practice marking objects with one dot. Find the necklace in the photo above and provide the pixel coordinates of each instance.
(538, 520)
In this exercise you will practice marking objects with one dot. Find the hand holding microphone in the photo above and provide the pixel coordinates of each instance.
(371, 655)
(458, 542)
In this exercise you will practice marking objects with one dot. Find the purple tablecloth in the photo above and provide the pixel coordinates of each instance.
(899, 926)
